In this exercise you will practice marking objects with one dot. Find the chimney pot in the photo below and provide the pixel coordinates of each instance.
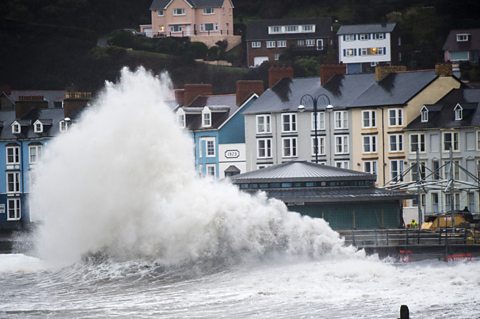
(276, 73)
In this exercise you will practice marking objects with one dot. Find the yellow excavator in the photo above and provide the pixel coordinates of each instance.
(461, 219)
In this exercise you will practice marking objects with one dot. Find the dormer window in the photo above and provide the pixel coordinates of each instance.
(424, 114)
(16, 128)
(462, 37)
(458, 112)
(38, 127)
(206, 117)
(181, 120)
(64, 124)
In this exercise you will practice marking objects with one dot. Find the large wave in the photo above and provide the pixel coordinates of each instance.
(121, 182)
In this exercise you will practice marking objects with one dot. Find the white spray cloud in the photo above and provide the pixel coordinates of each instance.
(122, 181)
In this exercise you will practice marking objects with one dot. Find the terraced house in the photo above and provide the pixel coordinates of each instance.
(207, 21)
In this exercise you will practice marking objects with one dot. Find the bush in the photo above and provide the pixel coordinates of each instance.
(199, 50)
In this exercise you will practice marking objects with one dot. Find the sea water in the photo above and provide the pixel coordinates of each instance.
(128, 230)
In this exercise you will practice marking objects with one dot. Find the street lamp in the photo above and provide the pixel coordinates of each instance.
(314, 100)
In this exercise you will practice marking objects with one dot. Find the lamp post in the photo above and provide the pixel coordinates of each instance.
(314, 100)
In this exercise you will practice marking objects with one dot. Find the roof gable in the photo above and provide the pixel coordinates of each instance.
(451, 43)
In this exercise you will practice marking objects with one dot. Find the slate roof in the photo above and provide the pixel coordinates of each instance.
(366, 28)
(49, 95)
(49, 117)
(451, 43)
(442, 114)
(300, 171)
(258, 30)
(162, 4)
(344, 91)
(222, 107)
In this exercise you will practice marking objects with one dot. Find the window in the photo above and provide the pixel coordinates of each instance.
(13, 182)
(396, 170)
(37, 127)
(320, 121)
(341, 119)
(256, 44)
(274, 29)
(181, 118)
(349, 52)
(310, 42)
(362, 51)
(436, 169)
(264, 148)
(271, 44)
(34, 153)
(369, 143)
(395, 117)
(320, 144)
(417, 142)
(341, 144)
(276, 56)
(368, 119)
(349, 37)
(263, 124)
(456, 169)
(291, 28)
(206, 117)
(282, 44)
(342, 164)
(396, 143)
(211, 170)
(319, 44)
(64, 125)
(207, 145)
(462, 37)
(16, 128)
(178, 11)
(308, 28)
(424, 114)
(208, 27)
(478, 140)
(13, 155)
(458, 112)
(300, 43)
(370, 167)
(13, 209)
(450, 141)
(176, 28)
(160, 13)
(208, 11)
(289, 122)
(289, 146)
(379, 36)
(415, 170)
(364, 36)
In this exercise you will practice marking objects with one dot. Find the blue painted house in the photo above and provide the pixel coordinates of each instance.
(27, 124)
(217, 126)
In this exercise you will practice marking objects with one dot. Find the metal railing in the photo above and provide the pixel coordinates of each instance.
(410, 237)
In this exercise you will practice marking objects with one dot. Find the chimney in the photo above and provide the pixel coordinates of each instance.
(443, 69)
(26, 104)
(179, 96)
(276, 73)
(327, 71)
(191, 92)
(74, 103)
(245, 88)
(381, 71)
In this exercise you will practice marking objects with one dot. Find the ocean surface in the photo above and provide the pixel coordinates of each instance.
(128, 229)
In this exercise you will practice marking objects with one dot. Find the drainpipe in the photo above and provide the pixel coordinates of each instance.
(383, 146)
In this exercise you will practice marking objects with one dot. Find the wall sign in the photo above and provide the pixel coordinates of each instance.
(232, 153)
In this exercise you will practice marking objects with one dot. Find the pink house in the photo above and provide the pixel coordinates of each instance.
(206, 21)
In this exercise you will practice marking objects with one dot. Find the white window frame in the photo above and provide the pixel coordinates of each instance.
(413, 171)
(38, 127)
(34, 153)
(458, 112)
(14, 157)
(64, 125)
(300, 43)
(424, 114)
(369, 143)
(181, 118)
(310, 42)
(454, 141)
(210, 146)
(308, 28)
(176, 28)
(271, 44)
(203, 27)
(211, 170)
(342, 144)
(14, 208)
(340, 120)
(395, 117)
(291, 123)
(420, 143)
(369, 119)
(267, 147)
(364, 36)
(370, 167)
(178, 11)
(208, 11)
(14, 186)
(342, 164)
(462, 37)
(160, 13)
(399, 170)
(289, 147)
(16, 128)
(206, 117)
(281, 43)
(349, 52)
(397, 141)
(320, 120)
(274, 29)
(349, 37)
(321, 145)
(256, 44)
(263, 123)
